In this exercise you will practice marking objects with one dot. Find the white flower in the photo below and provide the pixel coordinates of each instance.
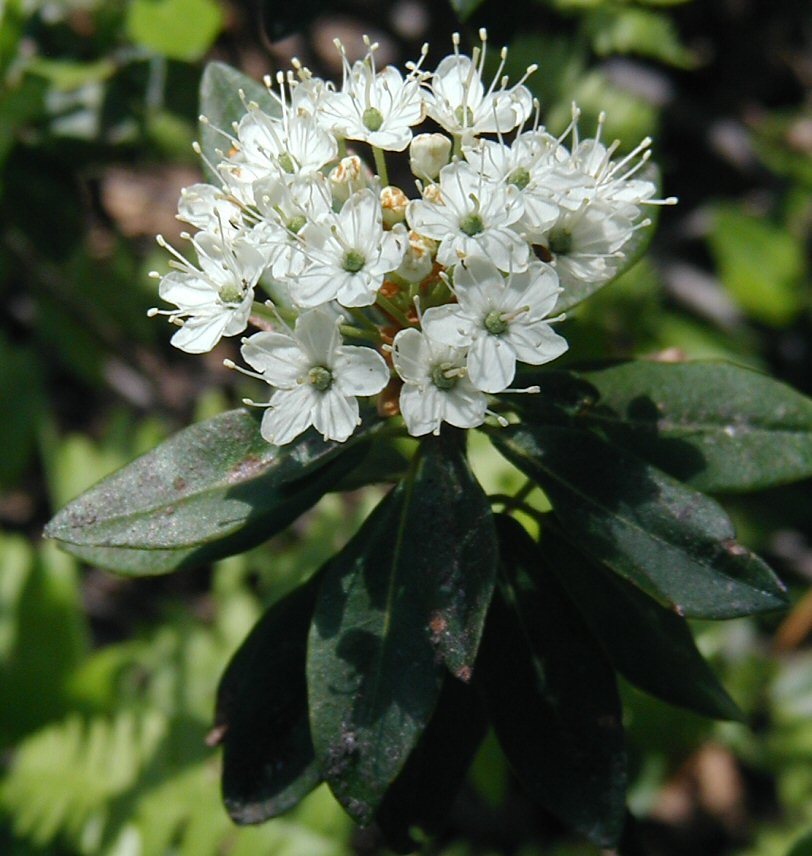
(589, 173)
(294, 145)
(585, 245)
(348, 254)
(526, 165)
(283, 209)
(428, 154)
(317, 378)
(211, 209)
(472, 217)
(435, 388)
(460, 103)
(215, 300)
(499, 320)
(378, 107)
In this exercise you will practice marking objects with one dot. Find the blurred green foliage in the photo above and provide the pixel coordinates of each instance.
(106, 686)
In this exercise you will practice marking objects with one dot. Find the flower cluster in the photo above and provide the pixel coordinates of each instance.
(442, 293)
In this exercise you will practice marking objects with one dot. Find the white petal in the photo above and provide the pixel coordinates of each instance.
(186, 290)
(358, 289)
(448, 325)
(535, 343)
(277, 356)
(505, 249)
(427, 218)
(315, 285)
(491, 363)
(336, 415)
(290, 414)
(410, 355)
(200, 334)
(463, 406)
(360, 371)
(318, 335)
(420, 409)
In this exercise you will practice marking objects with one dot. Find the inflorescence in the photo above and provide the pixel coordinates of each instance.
(441, 294)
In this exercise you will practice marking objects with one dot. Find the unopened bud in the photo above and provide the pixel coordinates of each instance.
(346, 177)
(428, 154)
(418, 260)
(393, 205)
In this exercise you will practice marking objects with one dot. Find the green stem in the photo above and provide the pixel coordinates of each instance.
(457, 145)
(389, 307)
(355, 333)
(363, 321)
(380, 165)
(342, 147)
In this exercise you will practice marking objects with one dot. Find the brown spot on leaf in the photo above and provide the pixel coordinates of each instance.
(246, 468)
(179, 483)
(464, 674)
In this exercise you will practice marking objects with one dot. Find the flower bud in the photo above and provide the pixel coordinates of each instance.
(346, 177)
(428, 154)
(418, 260)
(393, 205)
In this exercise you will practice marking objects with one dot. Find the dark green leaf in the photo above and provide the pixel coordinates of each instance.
(407, 593)
(214, 489)
(422, 795)
(647, 643)
(552, 696)
(372, 673)
(268, 759)
(221, 104)
(674, 543)
(633, 250)
(453, 522)
(716, 426)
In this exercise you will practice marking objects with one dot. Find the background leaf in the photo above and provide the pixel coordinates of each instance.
(178, 29)
(760, 263)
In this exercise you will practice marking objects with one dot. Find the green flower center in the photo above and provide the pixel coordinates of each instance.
(296, 223)
(440, 377)
(560, 241)
(465, 116)
(320, 377)
(520, 177)
(230, 293)
(353, 261)
(494, 323)
(472, 225)
(286, 162)
(372, 119)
